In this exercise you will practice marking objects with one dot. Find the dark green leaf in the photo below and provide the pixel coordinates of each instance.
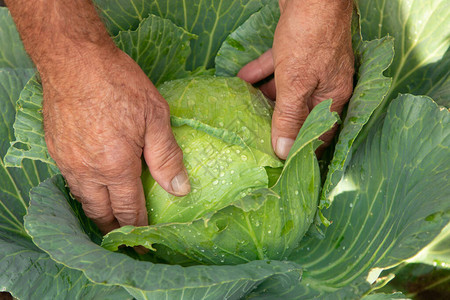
(420, 65)
(248, 41)
(159, 47)
(437, 253)
(11, 83)
(29, 273)
(419, 281)
(390, 203)
(29, 129)
(13, 55)
(372, 58)
(211, 21)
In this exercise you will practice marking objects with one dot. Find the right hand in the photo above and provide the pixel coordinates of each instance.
(101, 112)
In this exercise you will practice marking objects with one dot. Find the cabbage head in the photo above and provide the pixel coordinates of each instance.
(245, 203)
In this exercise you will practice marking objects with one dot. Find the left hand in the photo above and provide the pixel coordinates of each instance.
(312, 60)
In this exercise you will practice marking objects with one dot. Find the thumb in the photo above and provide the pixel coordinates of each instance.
(291, 108)
(161, 151)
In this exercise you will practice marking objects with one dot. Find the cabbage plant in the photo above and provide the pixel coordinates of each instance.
(254, 226)
(238, 183)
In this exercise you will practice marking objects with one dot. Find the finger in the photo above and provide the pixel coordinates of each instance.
(291, 108)
(162, 153)
(281, 4)
(340, 92)
(258, 69)
(269, 89)
(94, 199)
(128, 202)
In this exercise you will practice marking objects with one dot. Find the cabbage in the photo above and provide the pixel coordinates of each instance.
(385, 187)
(222, 124)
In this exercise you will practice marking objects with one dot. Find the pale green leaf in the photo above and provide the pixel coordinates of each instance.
(227, 108)
(215, 173)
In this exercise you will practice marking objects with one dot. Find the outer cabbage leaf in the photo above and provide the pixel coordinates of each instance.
(420, 65)
(418, 281)
(391, 202)
(248, 41)
(437, 253)
(15, 182)
(373, 92)
(210, 20)
(11, 83)
(372, 58)
(269, 226)
(159, 47)
(56, 228)
(29, 273)
(13, 55)
(29, 129)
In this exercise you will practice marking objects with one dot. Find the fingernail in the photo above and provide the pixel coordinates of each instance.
(283, 147)
(180, 184)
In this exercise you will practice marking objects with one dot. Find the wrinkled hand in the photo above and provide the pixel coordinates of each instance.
(312, 60)
(100, 113)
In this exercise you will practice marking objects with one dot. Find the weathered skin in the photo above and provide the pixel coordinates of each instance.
(101, 112)
(312, 59)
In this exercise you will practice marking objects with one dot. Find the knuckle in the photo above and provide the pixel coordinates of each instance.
(115, 165)
(98, 213)
(288, 118)
(158, 110)
(344, 90)
(297, 81)
(167, 158)
(71, 163)
(126, 216)
(124, 194)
